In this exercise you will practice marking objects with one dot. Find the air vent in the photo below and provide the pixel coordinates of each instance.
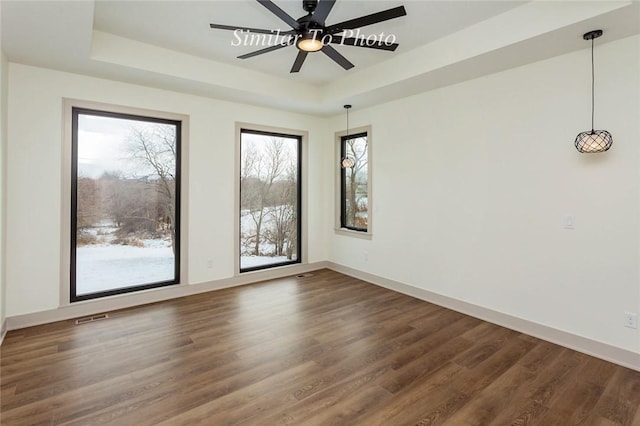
(91, 319)
(307, 275)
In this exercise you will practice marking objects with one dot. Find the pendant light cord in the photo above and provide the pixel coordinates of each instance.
(348, 123)
(593, 79)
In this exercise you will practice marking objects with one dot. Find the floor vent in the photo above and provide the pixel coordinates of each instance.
(91, 319)
(307, 275)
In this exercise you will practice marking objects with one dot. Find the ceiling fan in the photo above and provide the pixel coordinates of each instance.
(310, 34)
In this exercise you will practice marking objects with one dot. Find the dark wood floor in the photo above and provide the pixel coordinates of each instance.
(327, 349)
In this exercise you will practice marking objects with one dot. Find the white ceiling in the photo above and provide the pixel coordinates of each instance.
(184, 27)
(169, 44)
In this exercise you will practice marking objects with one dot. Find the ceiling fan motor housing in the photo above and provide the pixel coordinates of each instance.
(307, 22)
(309, 5)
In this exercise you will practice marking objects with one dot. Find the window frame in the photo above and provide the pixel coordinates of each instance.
(340, 177)
(343, 182)
(71, 110)
(302, 137)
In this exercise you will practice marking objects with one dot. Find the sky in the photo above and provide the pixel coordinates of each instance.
(102, 144)
(259, 142)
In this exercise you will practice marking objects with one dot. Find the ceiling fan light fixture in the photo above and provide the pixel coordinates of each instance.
(308, 42)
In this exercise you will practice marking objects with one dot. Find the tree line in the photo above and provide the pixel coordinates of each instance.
(269, 197)
(134, 206)
(142, 203)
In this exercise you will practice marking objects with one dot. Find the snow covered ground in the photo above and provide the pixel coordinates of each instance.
(253, 261)
(107, 266)
(247, 227)
(104, 266)
(110, 267)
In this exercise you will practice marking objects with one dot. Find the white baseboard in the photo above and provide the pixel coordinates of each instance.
(108, 304)
(3, 330)
(582, 344)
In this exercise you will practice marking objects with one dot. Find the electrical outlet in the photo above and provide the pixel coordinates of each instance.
(569, 222)
(209, 263)
(631, 319)
(366, 256)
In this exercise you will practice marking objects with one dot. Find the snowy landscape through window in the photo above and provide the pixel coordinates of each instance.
(269, 199)
(125, 210)
(354, 182)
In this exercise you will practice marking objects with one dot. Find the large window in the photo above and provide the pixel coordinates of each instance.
(354, 182)
(270, 199)
(125, 203)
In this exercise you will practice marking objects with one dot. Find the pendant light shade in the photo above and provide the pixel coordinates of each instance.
(348, 162)
(593, 141)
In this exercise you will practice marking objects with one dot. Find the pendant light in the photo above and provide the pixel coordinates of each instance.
(347, 162)
(594, 140)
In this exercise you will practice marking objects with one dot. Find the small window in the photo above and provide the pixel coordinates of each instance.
(355, 188)
(270, 199)
(125, 203)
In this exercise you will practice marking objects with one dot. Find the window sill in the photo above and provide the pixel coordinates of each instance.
(351, 233)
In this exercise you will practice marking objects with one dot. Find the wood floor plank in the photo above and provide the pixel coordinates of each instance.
(529, 403)
(472, 381)
(351, 408)
(433, 352)
(324, 349)
(412, 398)
(304, 411)
(621, 399)
(582, 399)
(487, 404)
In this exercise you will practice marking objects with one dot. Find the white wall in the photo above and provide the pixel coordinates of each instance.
(34, 176)
(471, 184)
(3, 145)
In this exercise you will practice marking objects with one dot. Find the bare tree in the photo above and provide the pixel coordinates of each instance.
(88, 202)
(153, 149)
(283, 231)
(252, 195)
(356, 149)
(262, 171)
(114, 204)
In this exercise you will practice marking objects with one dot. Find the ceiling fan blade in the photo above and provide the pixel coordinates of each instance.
(273, 8)
(297, 64)
(363, 21)
(322, 10)
(251, 30)
(337, 57)
(358, 42)
(265, 50)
